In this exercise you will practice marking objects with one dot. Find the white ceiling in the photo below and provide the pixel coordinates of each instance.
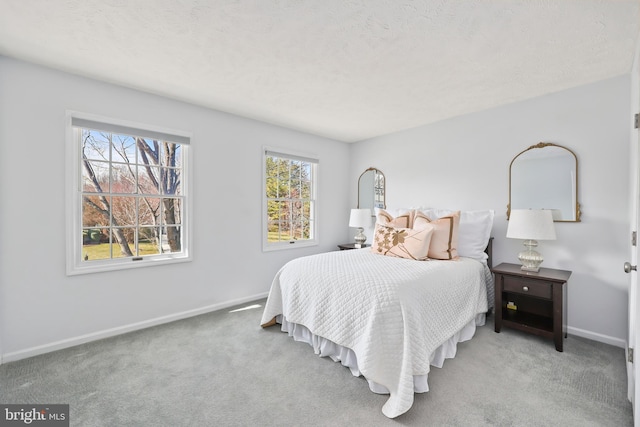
(344, 69)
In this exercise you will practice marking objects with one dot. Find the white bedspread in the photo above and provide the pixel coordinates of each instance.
(384, 309)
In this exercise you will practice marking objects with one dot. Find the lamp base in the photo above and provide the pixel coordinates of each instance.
(360, 238)
(529, 258)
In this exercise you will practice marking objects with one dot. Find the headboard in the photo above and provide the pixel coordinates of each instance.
(489, 251)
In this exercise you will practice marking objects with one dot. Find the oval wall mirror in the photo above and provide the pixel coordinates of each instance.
(545, 176)
(371, 190)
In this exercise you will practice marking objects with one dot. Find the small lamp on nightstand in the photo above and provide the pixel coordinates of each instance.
(360, 218)
(531, 225)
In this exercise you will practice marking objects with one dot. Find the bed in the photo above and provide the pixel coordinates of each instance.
(389, 318)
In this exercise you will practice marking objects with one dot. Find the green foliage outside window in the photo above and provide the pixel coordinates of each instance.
(289, 191)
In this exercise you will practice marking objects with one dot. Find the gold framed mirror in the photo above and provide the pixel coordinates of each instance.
(545, 176)
(371, 189)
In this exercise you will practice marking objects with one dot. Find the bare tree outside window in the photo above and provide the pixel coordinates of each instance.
(132, 199)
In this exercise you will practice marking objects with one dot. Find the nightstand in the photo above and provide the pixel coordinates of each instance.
(347, 246)
(531, 302)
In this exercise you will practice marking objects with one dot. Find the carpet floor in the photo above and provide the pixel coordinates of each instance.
(222, 369)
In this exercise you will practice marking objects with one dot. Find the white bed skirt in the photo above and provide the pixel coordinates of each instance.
(325, 348)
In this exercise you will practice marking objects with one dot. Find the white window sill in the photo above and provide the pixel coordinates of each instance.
(293, 244)
(122, 264)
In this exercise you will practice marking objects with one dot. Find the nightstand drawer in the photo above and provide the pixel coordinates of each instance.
(528, 287)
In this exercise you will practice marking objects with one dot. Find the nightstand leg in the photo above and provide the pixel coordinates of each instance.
(558, 332)
(559, 345)
(497, 305)
(565, 311)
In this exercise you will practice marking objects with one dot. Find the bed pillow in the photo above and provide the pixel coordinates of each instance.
(474, 232)
(402, 242)
(444, 241)
(401, 219)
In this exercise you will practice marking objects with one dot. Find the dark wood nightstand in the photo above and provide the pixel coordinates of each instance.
(347, 246)
(539, 300)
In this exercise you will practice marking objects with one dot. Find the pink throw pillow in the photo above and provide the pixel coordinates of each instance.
(444, 241)
(402, 242)
(404, 220)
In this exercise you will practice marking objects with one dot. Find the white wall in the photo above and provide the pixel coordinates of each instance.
(41, 308)
(464, 163)
(458, 163)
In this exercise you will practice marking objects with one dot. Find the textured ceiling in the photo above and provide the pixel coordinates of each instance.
(344, 69)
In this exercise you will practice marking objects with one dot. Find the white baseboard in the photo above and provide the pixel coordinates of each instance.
(617, 342)
(70, 342)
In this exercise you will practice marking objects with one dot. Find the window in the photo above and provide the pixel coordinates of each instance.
(289, 200)
(129, 198)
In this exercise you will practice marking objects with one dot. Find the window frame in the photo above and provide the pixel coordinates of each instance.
(74, 227)
(315, 166)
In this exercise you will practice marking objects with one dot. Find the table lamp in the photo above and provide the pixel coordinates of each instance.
(531, 225)
(360, 218)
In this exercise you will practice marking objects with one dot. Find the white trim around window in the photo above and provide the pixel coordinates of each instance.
(149, 227)
(289, 200)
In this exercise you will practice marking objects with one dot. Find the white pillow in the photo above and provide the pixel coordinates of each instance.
(474, 231)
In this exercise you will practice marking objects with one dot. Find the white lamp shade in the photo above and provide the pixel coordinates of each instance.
(531, 224)
(360, 218)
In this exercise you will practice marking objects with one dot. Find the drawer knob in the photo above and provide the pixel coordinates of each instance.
(525, 288)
